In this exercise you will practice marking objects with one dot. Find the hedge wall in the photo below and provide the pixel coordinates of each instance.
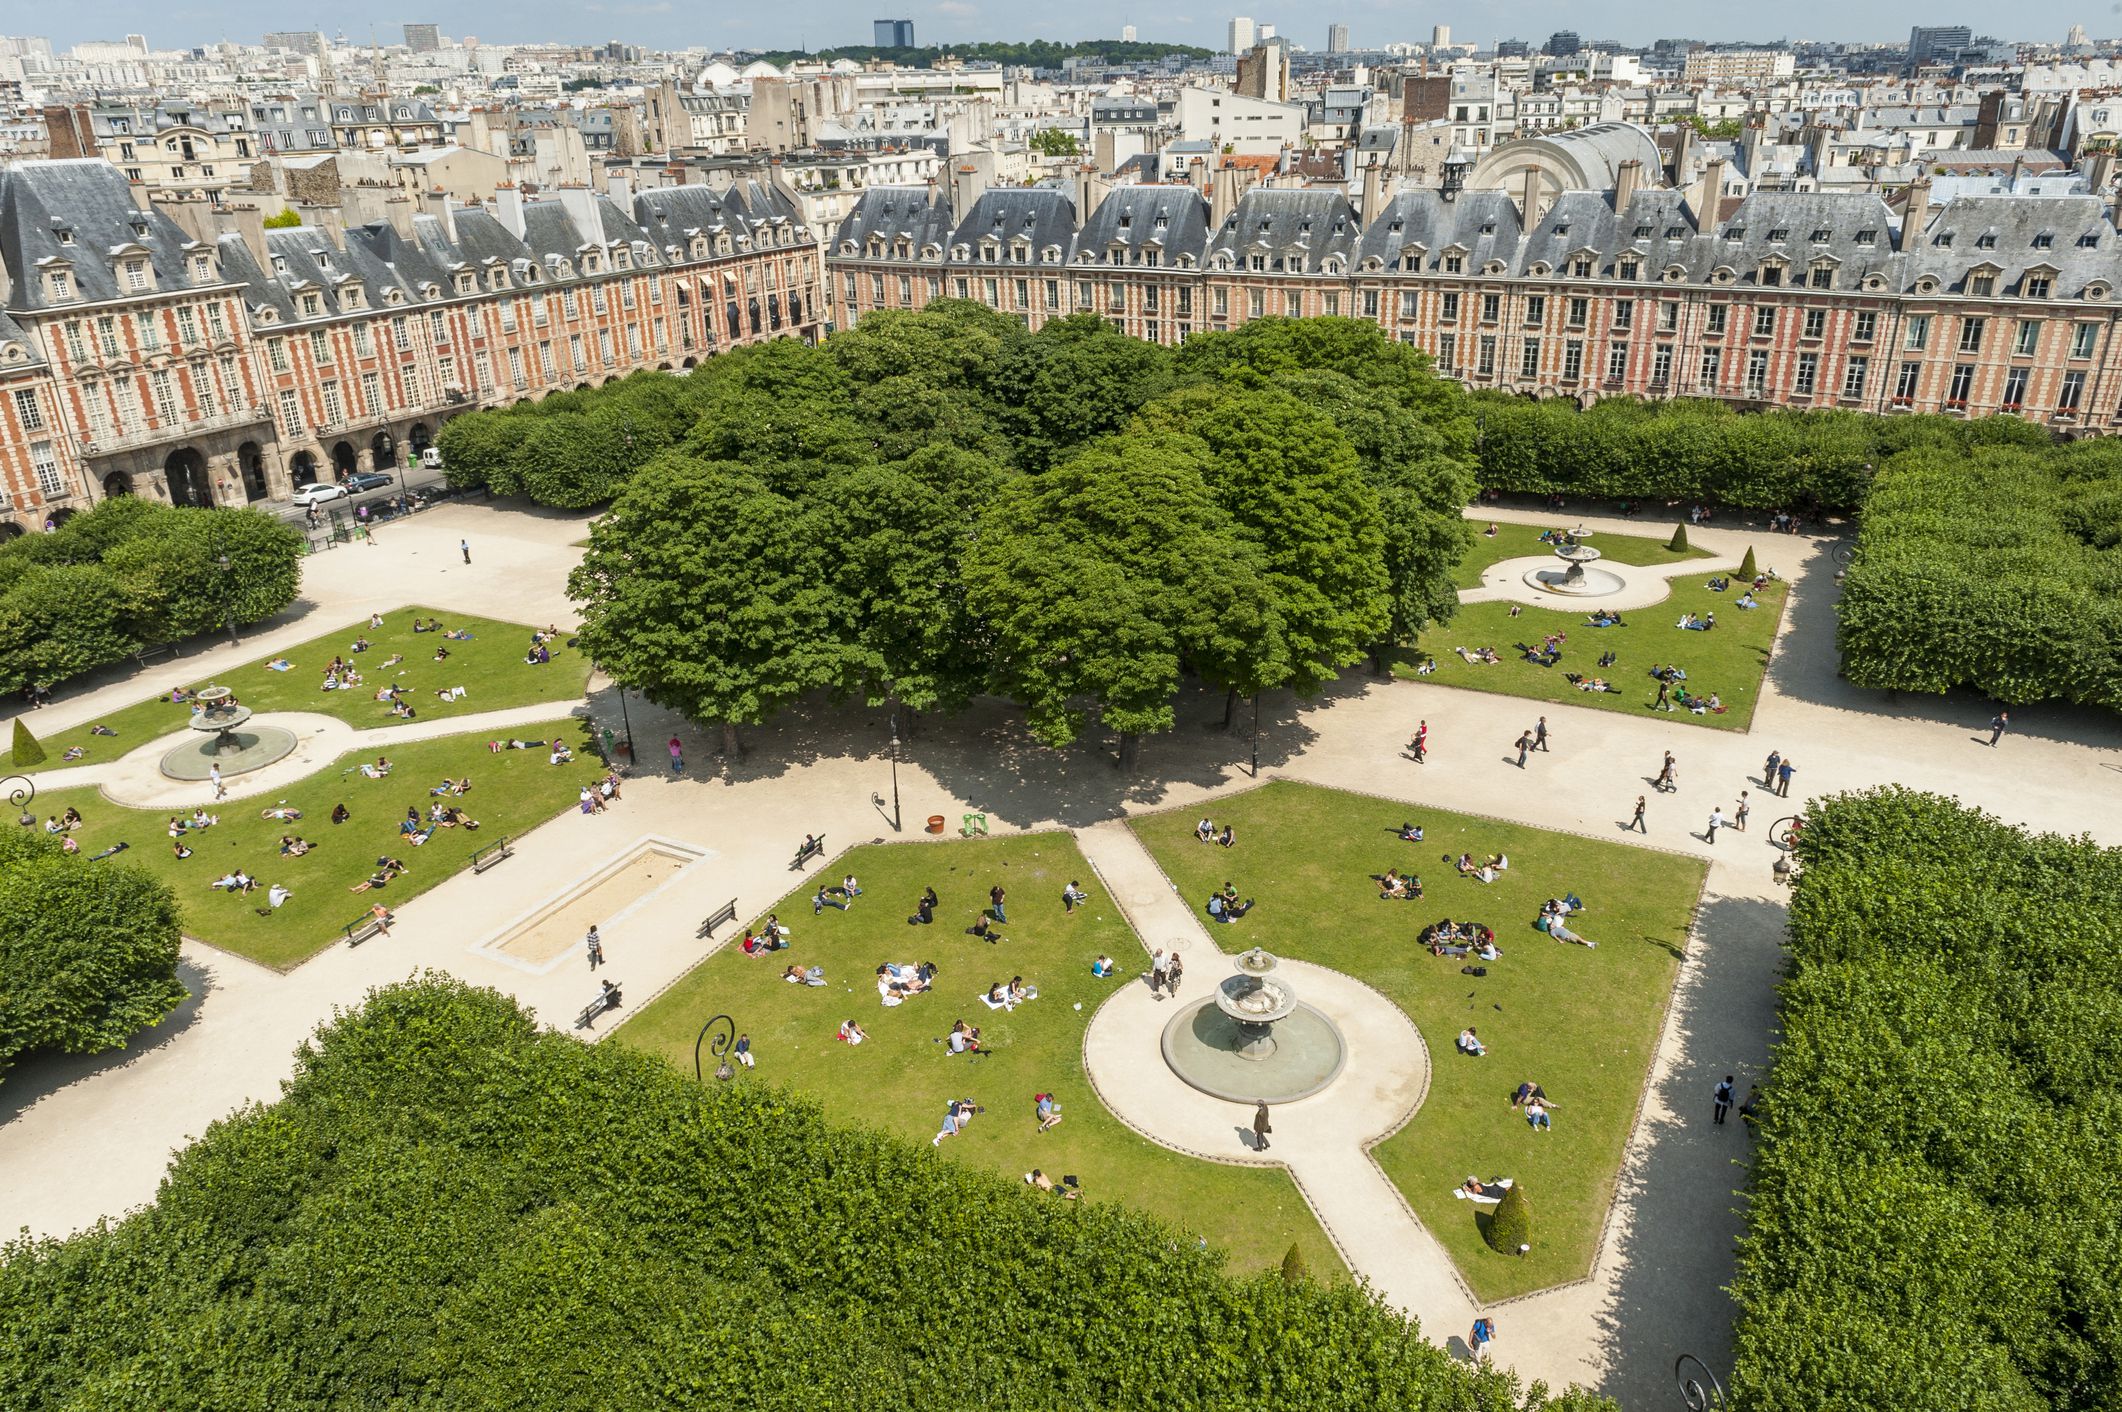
(2000, 570)
(1707, 451)
(132, 572)
(1933, 1214)
(449, 1209)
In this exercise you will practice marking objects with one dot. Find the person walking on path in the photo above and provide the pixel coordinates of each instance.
(1665, 695)
(1173, 970)
(1156, 974)
(677, 756)
(1738, 818)
(1261, 1127)
(1419, 746)
(1768, 771)
(1525, 743)
(213, 772)
(1998, 724)
(1540, 734)
(1636, 822)
(464, 547)
(595, 945)
(1716, 821)
(1484, 1334)
(1783, 773)
(1666, 782)
(1723, 1099)
(995, 895)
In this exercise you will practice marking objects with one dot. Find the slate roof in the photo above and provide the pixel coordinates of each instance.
(1291, 230)
(1133, 220)
(1041, 216)
(892, 213)
(81, 211)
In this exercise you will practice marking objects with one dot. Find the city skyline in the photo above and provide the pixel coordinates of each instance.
(1371, 23)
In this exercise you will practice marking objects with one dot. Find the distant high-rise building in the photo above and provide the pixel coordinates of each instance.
(1929, 43)
(893, 34)
(1265, 33)
(1263, 71)
(423, 39)
(2076, 38)
(1440, 37)
(1241, 38)
(302, 41)
(1563, 42)
(1337, 39)
(1127, 34)
(1510, 48)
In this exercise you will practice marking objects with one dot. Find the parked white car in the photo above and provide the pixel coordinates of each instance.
(317, 492)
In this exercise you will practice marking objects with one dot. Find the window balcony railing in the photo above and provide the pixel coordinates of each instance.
(117, 440)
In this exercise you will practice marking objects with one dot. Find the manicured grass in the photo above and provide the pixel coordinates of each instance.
(1582, 1023)
(490, 667)
(1729, 661)
(1519, 541)
(512, 791)
(902, 1078)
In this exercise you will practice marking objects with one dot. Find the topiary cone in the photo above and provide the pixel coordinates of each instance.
(26, 751)
(1678, 543)
(1294, 1270)
(1510, 1225)
(1747, 570)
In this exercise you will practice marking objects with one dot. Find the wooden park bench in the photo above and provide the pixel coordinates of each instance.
(494, 852)
(366, 925)
(812, 847)
(727, 912)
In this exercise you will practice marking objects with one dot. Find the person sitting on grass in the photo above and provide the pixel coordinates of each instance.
(1527, 1092)
(293, 846)
(1102, 967)
(441, 655)
(179, 849)
(851, 1033)
(998, 998)
(1205, 831)
(1560, 932)
(796, 975)
(1229, 837)
(238, 881)
(1466, 865)
(986, 933)
(340, 814)
(1039, 1181)
(1411, 833)
(75, 752)
(275, 895)
(561, 754)
(965, 1039)
(1470, 1043)
(460, 635)
(1046, 1111)
(69, 844)
(1536, 1116)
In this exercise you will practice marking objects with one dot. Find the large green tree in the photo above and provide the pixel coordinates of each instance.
(707, 589)
(89, 949)
(1102, 579)
(1075, 379)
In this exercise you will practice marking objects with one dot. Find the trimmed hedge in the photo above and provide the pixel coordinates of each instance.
(88, 949)
(1510, 1225)
(130, 573)
(1932, 1213)
(451, 1209)
(2000, 570)
(1706, 451)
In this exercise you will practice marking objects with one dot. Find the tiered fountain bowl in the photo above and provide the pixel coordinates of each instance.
(224, 735)
(1577, 578)
(1251, 1040)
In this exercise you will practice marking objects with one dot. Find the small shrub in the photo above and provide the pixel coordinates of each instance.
(26, 751)
(1294, 1270)
(1747, 568)
(1678, 543)
(1510, 1225)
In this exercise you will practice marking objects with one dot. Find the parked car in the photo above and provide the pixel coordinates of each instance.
(432, 458)
(317, 493)
(369, 480)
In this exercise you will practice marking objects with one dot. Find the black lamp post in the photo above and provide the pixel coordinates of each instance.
(720, 1048)
(626, 721)
(1256, 735)
(895, 772)
(1699, 1388)
(21, 789)
(228, 602)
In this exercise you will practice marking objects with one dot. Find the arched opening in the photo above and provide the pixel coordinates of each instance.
(185, 474)
(420, 437)
(753, 309)
(384, 449)
(795, 308)
(689, 363)
(117, 483)
(345, 460)
(60, 517)
(252, 460)
(662, 367)
(9, 529)
(303, 469)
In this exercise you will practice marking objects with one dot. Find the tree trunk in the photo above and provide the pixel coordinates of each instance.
(1230, 707)
(1130, 750)
(732, 746)
(1377, 660)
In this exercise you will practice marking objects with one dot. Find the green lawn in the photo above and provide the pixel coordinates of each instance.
(1729, 661)
(902, 1078)
(512, 791)
(490, 667)
(1582, 1023)
(1520, 541)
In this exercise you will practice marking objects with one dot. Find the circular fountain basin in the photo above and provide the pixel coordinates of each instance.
(1586, 583)
(235, 751)
(1208, 1048)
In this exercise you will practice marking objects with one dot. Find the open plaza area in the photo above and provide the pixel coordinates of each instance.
(1404, 943)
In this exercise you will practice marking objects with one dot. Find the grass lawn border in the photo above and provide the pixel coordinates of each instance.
(1486, 553)
(1666, 1017)
(1265, 1171)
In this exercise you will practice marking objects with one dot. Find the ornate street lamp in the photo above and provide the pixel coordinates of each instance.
(720, 1048)
(1699, 1387)
(20, 791)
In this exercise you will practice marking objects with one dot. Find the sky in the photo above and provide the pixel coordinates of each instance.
(817, 24)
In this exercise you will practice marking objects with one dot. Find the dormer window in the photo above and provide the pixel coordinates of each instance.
(202, 268)
(62, 284)
(1735, 232)
(1581, 267)
(279, 264)
(1488, 227)
(1630, 269)
(310, 305)
(2035, 286)
(1986, 241)
(1867, 237)
(66, 236)
(1819, 237)
(1771, 275)
(136, 274)
(1982, 285)
(1779, 233)
(1125, 220)
(1674, 232)
(1642, 233)
(2044, 241)
(2088, 241)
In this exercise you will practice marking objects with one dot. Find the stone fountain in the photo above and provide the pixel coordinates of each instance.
(219, 740)
(1252, 1040)
(1579, 579)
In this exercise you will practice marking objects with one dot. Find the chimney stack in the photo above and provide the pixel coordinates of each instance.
(508, 207)
(1915, 214)
(398, 210)
(1529, 197)
(1373, 190)
(1626, 180)
(1707, 212)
